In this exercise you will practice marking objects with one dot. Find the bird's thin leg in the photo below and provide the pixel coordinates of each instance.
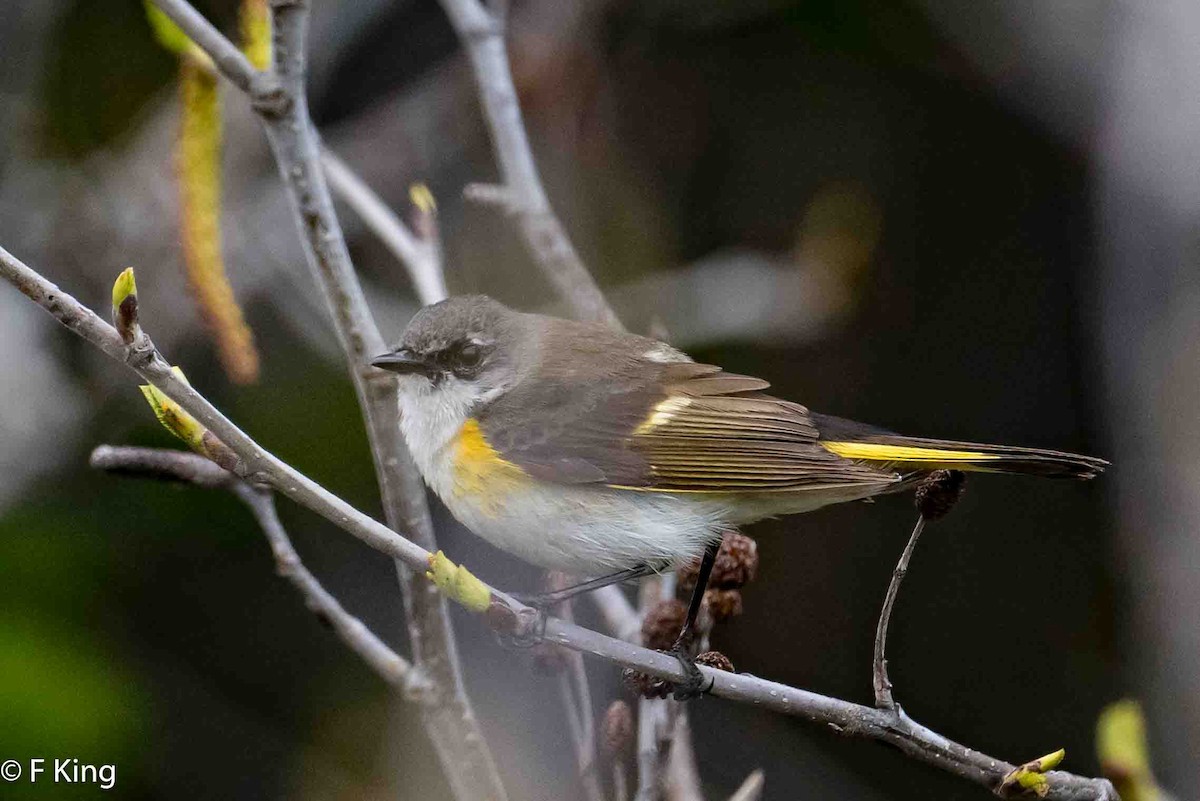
(693, 685)
(545, 600)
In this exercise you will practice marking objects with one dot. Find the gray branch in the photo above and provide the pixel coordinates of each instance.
(258, 465)
(229, 60)
(852, 720)
(392, 667)
(752, 788)
(576, 693)
(255, 463)
(620, 617)
(162, 464)
(682, 774)
(582, 731)
(172, 465)
(879, 672)
(422, 259)
(451, 724)
(482, 34)
(651, 719)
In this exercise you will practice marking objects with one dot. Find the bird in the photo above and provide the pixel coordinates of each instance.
(585, 449)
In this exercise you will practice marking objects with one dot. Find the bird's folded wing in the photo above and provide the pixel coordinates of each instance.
(679, 427)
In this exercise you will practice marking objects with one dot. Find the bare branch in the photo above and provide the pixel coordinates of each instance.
(890, 726)
(652, 712)
(581, 738)
(751, 789)
(620, 780)
(297, 154)
(256, 463)
(392, 667)
(879, 672)
(619, 615)
(682, 774)
(935, 496)
(577, 702)
(666, 757)
(652, 716)
(162, 464)
(172, 465)
(482, 34)
(844, 717)
(421, 259)
(501, 197)
(452, 726)
(586, 750)
(228, 58)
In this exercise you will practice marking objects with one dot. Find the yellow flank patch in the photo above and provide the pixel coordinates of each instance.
(479, 471)
(663, 412)
(876, 452)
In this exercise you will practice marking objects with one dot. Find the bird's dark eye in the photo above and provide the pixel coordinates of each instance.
(464, 358)
(469, 355)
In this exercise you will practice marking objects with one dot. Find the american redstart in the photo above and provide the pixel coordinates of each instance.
(589, 450)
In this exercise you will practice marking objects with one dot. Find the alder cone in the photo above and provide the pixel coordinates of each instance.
(735, 567)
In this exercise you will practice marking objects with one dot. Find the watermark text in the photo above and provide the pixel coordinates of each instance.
(59, 770)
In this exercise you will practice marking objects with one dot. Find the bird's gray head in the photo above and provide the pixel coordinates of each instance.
(467, 344)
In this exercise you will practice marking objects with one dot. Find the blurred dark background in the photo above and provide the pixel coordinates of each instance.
(969, 221)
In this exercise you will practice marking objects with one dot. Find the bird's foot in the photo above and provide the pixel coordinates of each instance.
(694, 683)
(517, 629)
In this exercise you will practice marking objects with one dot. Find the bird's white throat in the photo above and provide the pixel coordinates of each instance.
(431, 418)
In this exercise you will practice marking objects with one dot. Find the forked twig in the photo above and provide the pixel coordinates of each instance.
(189, 468)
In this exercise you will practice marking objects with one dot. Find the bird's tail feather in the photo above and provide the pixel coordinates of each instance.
(852, 440)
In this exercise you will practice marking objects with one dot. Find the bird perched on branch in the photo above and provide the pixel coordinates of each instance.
(580, 448)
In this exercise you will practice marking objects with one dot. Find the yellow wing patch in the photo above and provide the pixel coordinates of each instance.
(663, 412)
(480, 473)
(875, 452)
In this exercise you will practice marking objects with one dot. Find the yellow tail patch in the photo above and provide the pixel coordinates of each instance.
(876, 452)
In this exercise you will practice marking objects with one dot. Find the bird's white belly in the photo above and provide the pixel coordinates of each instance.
(591, 530)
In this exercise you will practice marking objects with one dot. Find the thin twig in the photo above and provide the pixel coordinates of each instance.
(879, 671)
(653, 722)
(752, 788)
(577, 702)
(419, 258)
(161, 464)
(456, 734)
(620, 617)
(620, 781)
(567, 694)
(682, 774)
(844, 717)
(652, 713)
(587, 720)
(585, 750)
(173, 465)
(481, 32)
(227, 56)
(675, 770)
(258, 465)
(394, 669)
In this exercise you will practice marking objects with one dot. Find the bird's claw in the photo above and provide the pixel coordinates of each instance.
(517, 629)
(694, 683)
